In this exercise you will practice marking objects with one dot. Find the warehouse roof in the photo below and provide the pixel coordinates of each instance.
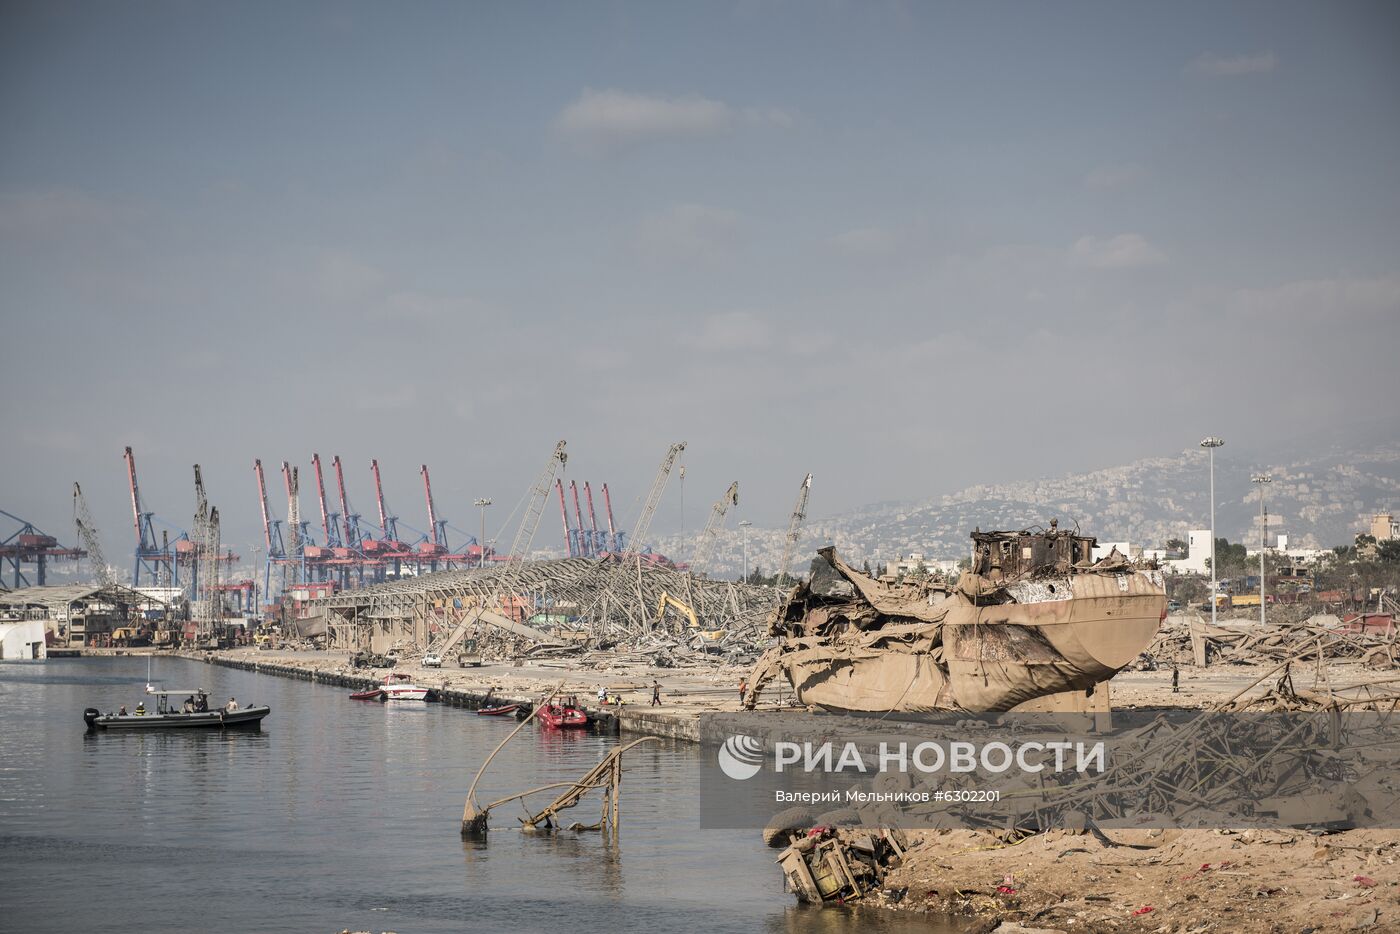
(58, 595)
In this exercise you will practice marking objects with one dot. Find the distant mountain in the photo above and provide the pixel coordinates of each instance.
(1323, 493)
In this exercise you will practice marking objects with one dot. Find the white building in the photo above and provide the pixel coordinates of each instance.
(1197, 554)
(948, 567)
(22, 639)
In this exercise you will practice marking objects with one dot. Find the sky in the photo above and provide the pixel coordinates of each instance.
(905, 247)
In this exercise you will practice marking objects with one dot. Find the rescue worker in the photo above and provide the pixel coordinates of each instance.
(122, 712)
(141, 709)
(655, 693)
(231, 706)
(743, 690)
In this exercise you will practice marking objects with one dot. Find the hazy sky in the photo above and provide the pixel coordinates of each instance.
(907, 247)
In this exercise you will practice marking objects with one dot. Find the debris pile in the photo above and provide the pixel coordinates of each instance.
(1320, 638)
(1034, 616)
(840, 864)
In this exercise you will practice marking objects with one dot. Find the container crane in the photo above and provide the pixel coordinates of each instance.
(30, 545)
(596, 545)
(799, 514)
(272, 531)
(585, 544)
(148, 554)
(437, 526)
(658, 487)
(351, 519)
(718, 512)
(329, 520)
(525, 535)
(87, 535)
(570, 542)
(616, 541)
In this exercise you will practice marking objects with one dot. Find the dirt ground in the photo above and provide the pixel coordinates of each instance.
(1167, 881)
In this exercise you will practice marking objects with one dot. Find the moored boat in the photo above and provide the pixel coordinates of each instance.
(563, 715)
(498, 711)
(397, 687)
(375, 694)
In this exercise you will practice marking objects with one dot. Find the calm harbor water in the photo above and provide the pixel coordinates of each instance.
(344, 814)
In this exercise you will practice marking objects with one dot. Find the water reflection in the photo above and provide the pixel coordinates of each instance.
(342, 815)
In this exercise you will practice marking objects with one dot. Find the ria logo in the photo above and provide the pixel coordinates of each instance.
(741, 757)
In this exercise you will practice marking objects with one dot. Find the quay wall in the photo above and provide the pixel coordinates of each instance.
(604, 719)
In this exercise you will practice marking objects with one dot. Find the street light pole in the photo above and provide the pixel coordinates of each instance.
(481, 542)
(1262, 479)
(745, 526)
(1210, 444)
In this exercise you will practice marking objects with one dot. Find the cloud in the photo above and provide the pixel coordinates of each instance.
(57, 213)
(732, 331)
(1115, 177)
(1320, 300)
(866, 241)
(1212, 65)
(1123, 251)
(612, 119)
(342, 277)
(690, 233)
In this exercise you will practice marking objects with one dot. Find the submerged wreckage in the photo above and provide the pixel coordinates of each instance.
(1033, 616)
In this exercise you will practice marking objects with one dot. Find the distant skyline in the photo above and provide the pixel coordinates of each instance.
(907, 248)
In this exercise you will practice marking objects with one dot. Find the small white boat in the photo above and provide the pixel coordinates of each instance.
(398, 688)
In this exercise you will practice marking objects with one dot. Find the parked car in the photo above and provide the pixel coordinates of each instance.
(432, 660)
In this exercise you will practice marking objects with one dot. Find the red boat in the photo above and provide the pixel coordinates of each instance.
(367, 695)
(563, 715)
(497, 711)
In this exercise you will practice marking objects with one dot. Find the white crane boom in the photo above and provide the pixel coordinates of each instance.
(87, 534)
(525, 535)
(794, 532)
(718, 512)
(658, 486)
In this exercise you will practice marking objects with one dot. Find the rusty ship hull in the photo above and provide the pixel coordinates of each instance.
(849, 642)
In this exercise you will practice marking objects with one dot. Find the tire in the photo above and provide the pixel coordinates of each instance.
(775, 832)
(841, 817)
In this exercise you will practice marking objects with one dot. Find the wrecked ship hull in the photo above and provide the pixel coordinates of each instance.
(993, 658)
(988, 644)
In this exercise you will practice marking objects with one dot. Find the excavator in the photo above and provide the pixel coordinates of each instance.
(706, 639)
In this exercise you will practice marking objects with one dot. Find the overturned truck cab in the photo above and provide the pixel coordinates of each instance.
(1032, 616)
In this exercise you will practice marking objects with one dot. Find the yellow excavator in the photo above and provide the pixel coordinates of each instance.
(707, 637)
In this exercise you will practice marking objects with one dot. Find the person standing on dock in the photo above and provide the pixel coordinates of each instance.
(655, 693)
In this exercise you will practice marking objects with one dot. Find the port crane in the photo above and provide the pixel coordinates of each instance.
(330, 522)
(616, 539)
(525, 535)
(570, 540)
(596, 545)
(658, 487)
(718, 512)
(87, 535)
(272, 532)
(799, 514)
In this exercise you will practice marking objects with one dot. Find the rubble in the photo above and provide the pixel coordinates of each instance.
(1032, 617)
(1321, 638)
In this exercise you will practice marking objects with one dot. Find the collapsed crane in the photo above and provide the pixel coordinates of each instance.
(718, 512)
(794, 532)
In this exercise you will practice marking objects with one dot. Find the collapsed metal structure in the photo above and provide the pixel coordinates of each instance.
(548, 605)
